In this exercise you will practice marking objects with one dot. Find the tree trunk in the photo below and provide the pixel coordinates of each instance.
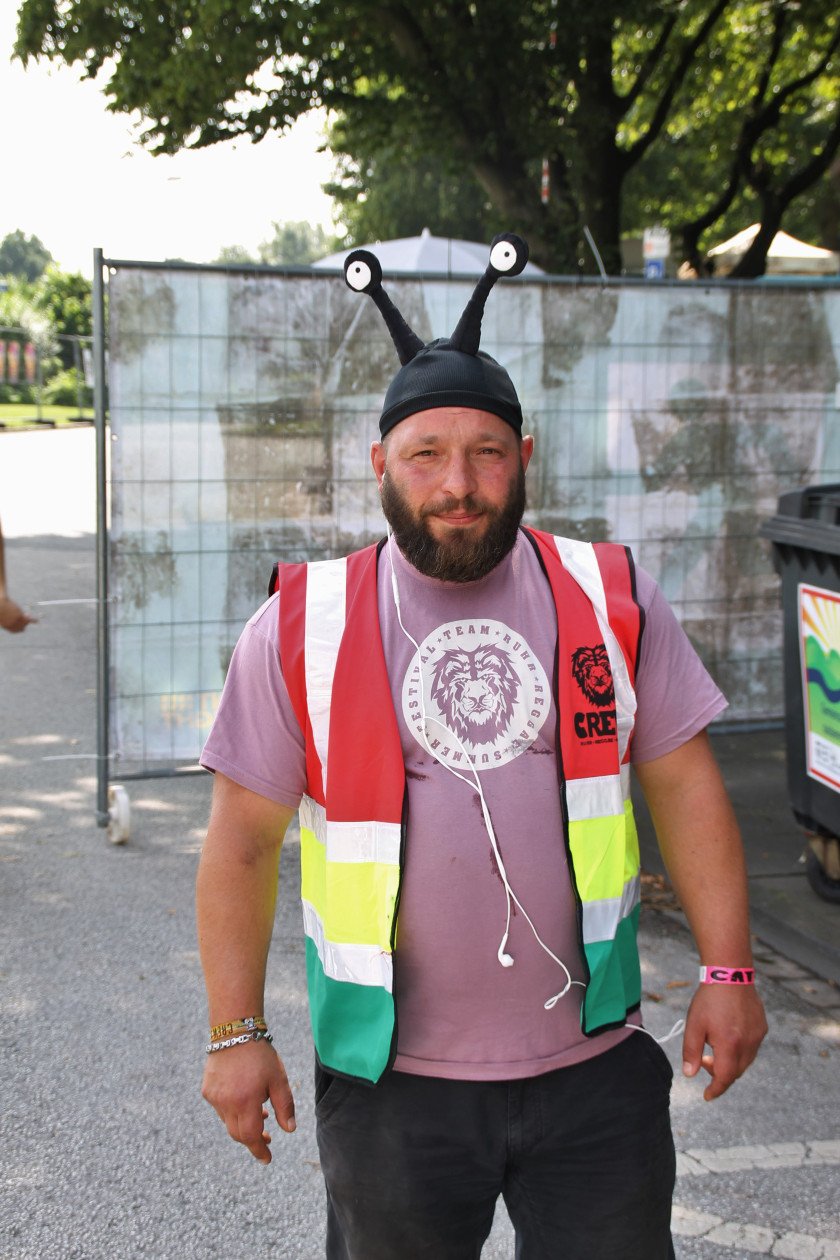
(601, 170)
(552, 230)
(754, 261)
(602, 215)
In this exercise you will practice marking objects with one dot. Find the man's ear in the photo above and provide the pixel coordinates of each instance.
(526, 450)
(377, 459)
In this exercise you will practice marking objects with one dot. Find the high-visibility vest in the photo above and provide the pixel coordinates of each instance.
(353, 816)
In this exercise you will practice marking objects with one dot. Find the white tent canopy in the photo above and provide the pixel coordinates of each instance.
(435, 255)
(786, 256)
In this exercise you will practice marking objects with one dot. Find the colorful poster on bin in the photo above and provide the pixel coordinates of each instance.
(819, 645)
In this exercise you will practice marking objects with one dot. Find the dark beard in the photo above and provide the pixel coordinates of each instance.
(459, 558)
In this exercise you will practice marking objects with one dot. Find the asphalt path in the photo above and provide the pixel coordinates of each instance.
(108, 1150)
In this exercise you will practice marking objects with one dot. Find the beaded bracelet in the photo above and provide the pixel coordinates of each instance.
(246, 1024)
(727, 975)
(258, 1035)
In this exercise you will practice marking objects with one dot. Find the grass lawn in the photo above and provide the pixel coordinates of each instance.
(25, 416)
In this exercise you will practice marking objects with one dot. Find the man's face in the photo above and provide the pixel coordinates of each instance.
(452, 482)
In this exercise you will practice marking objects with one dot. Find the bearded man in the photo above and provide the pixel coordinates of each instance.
(454, 713)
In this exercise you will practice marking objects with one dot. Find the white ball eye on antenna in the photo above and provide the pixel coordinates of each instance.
(508, 254)
(362, 271)
(358, 276)
(503, 256)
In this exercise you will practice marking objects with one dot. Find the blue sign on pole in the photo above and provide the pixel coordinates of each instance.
(654, 268)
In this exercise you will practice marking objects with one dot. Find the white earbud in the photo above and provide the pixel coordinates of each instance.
(503, 956)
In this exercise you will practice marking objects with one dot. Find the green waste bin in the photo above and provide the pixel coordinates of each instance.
(805, 533)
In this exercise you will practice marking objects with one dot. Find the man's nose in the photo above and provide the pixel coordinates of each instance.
(459, 477)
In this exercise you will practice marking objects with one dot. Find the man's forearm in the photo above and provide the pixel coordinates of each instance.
(235, 913)
(701, 846)
(236, 893)
(702, 849)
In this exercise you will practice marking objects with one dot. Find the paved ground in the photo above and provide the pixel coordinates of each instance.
(109, 1152)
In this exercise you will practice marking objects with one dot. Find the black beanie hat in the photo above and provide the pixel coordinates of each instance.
(449, 372)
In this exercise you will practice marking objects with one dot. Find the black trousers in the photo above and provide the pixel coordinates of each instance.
(583, 1158)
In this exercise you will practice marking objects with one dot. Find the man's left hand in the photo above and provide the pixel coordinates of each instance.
(730, 1019)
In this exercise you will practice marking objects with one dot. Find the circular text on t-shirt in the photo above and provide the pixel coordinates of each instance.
(485, 694)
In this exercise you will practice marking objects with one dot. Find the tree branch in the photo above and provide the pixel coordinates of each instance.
(650, 63)
(760, 177)
(629, 157)
(750, 132)
(806, 80)
(776, 201)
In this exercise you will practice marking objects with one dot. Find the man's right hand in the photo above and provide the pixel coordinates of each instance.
(238, 1082)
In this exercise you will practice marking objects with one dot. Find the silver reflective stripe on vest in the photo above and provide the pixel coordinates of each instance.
(314, 817)
(352, 841)
(581, 563)
(358, 964)
(601, 918)
(601, 797)
(364, 842)
(326, 600)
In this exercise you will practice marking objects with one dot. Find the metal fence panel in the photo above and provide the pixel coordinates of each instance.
(242, 406)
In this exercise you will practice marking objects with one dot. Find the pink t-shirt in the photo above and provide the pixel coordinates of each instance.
(461, 1014)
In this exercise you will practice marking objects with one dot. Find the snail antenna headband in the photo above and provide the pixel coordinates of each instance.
(508, 256)
(448, 372)
(364, 274)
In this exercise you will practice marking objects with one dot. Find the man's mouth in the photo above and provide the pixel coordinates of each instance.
(458, 519)
(458, 515)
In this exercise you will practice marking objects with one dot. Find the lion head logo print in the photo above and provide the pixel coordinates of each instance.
(475, 691)
(475, 694)
(591, 671)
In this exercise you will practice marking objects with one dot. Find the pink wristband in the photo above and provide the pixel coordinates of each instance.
(727, 975)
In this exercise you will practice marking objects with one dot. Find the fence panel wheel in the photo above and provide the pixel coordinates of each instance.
(119, 814)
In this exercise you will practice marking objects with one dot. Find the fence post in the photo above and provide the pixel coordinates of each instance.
(102, 655)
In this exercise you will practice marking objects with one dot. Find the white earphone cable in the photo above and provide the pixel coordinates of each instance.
(505, 958)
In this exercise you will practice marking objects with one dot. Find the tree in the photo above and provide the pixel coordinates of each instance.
(292, 244)
(776, 64)
(232, 254)
(379, 197)
(744, 92)
(295, 244)
(50, 312)
(23, 256)
(65, 298)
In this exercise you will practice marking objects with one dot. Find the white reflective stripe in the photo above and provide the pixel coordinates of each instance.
(600, 797)
(352, 841)
(358, 964)
(364, 842)
(326, 598)
(581, 563)
(314, 818)
(601, 918)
